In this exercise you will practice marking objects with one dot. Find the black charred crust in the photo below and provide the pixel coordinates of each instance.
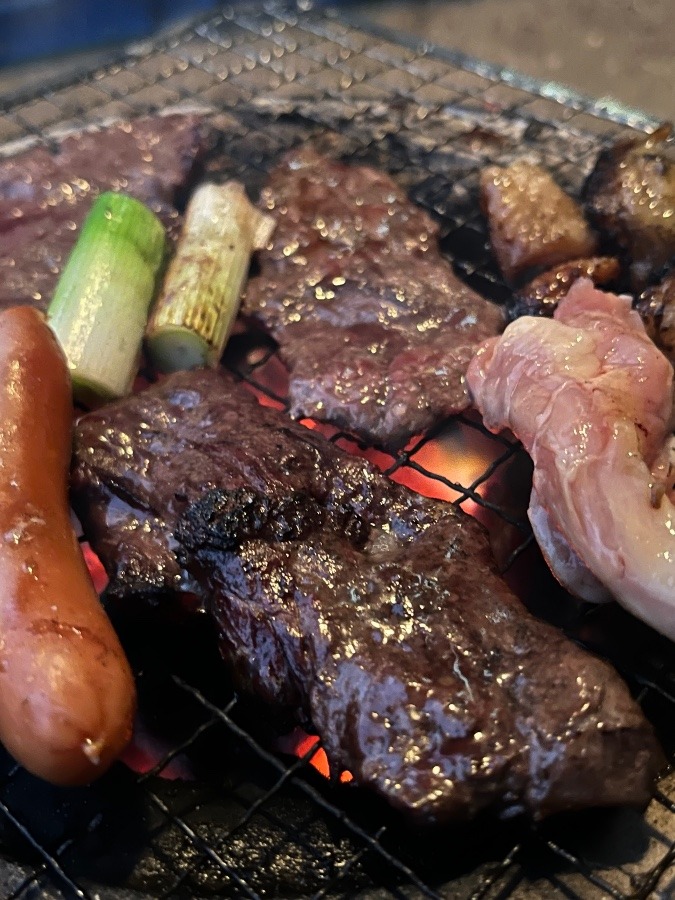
(133, 578)
(355, 527)
(223, 520)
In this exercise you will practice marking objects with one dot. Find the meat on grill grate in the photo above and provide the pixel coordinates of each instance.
(533, 223)
(591, 398)
(375, 613)
(44, 195)
(375, 328)
(630, 196)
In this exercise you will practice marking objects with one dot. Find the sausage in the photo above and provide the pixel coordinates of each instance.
(67, 696)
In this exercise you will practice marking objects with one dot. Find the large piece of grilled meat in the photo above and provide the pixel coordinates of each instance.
(374, 613)
(374, 327)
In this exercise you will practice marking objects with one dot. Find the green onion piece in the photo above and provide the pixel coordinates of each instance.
(100, 306)
(199, 299)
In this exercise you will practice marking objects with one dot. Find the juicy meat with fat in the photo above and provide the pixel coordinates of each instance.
(591, 398)
(373, 613)
(45, 195)
(533, 223)
(373, 325)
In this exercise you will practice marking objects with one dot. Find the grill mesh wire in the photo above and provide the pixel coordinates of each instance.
(278, 76)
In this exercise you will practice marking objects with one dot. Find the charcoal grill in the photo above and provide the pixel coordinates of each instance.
(251, 821)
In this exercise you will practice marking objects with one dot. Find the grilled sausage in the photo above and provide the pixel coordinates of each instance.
(67, 695)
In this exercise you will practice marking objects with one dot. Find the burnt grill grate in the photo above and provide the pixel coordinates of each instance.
(255, 823)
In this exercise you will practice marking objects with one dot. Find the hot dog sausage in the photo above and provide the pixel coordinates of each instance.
(67, 694)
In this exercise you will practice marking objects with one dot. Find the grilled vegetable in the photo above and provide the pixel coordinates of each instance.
(100, 306)
(66, 691)
(200, 296)
(630, 196)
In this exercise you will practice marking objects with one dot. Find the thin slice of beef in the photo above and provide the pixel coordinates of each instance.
(373, 325)
(44, 195)
(373, 613)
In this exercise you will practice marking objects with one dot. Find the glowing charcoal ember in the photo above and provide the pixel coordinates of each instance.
(460, 455)
(147, 753)
(95, 566)
(299, 743)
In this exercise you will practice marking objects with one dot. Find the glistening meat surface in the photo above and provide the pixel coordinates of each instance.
(373, 613)
(591, 398)
(373, 325)
(45, 194)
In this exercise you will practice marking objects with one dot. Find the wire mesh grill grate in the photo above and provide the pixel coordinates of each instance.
(258, 823)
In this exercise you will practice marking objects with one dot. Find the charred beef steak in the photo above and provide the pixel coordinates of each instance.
(44, 195)
(374, 613)
(375, 329)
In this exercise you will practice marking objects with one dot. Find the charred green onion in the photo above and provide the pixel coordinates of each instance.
(100, 306)
(200, 297)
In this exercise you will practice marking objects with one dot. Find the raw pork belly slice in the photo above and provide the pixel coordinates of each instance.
(45, 196)
(591, 397)
(373, 613)
(373, 325)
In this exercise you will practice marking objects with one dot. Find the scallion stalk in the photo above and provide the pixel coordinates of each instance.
(100, 306)
(199, 299)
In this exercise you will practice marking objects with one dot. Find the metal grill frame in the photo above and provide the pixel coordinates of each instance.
(330, 69)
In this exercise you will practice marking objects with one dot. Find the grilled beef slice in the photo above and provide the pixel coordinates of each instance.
(45, 195)
(373, 613)
(374, 327)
